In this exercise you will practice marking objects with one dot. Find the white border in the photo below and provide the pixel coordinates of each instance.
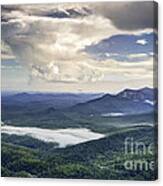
(56, 182)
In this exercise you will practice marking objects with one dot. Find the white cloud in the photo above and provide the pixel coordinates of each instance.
(138, 55)
(6, 52)
(10, 67)
(43, 44)
(141, 42)
(52, 48)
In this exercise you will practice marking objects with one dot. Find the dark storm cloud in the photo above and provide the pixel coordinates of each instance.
(129, 15)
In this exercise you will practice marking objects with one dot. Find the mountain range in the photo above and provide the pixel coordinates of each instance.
(128, 100)
(61, 110)
(124, 103)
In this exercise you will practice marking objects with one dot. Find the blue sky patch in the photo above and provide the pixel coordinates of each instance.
(122, 47)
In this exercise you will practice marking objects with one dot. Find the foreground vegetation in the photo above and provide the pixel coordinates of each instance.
(98, 159)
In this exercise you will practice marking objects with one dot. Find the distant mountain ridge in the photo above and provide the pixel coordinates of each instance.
(139, 95)
(126, 102)
(56, 100)
(61, 110)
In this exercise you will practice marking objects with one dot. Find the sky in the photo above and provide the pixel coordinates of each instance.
(78, 47)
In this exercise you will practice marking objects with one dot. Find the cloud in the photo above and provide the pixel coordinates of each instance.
(124, 15)
(42, 42)
(127, 70)
(67, 72)
(141, 42)
(129, 15)
(6, 52)
(53, 47)
(11, 67)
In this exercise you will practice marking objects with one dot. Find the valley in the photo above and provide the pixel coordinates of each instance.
(83, 138)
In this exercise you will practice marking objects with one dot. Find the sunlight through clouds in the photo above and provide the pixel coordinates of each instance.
(52, 42)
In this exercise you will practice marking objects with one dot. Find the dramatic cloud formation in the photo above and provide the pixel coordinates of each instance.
(129, 15)
(44, 42)
(64, 42)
